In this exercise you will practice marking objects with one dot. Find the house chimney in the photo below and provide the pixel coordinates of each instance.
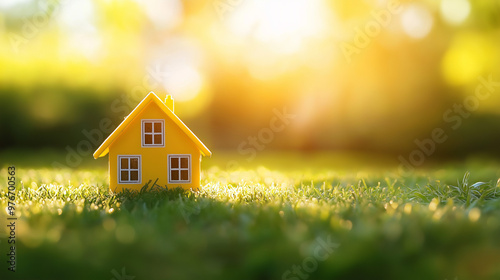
(169, 101)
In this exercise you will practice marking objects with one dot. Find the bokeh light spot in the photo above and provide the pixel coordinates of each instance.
(455, 11)
(6, 4)
(280, 24)
(184, 83)
(417, 22)
(474, 214)
(467, 57)
(163, 14)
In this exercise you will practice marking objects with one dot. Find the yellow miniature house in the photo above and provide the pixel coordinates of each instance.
(153, 144)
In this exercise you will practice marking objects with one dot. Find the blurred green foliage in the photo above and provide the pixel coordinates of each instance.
(51, 118)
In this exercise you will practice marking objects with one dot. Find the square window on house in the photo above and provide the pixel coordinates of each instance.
(179, 168)
(153, 133)
(129, 169)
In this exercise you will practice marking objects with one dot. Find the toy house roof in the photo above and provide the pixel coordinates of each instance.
(151, 97)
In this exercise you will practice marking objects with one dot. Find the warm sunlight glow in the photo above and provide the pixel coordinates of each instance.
(163, 14)
(184, 83)
(417, 21)
(368, 75)
(77, 17)
(77, 20)
(175, 64)
(455, 11)
(5, 4)
(281, 24)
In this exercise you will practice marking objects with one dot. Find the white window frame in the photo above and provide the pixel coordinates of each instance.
(152, 133)
(170, 169)
(120, 181)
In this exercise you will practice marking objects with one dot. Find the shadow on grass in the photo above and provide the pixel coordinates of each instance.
(153, 192)
(152, 196)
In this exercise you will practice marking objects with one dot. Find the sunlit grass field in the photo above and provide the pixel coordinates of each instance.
(265, 219)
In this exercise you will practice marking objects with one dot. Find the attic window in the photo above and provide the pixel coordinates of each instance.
(179, 168)
(153, 133)
(129, 169)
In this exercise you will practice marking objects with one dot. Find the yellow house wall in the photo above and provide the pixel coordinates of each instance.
(154, 161)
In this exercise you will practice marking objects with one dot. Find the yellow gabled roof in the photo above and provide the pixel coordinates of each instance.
(151, 97)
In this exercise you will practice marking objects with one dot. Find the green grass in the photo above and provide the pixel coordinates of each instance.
(258, 223)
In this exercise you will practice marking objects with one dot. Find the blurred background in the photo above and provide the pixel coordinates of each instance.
(368, 76)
